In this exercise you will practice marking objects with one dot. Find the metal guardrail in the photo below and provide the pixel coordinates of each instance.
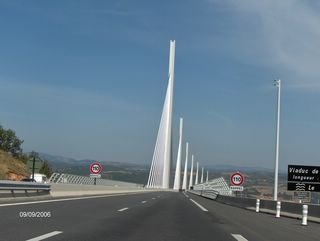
(15, 188)
(13, 185)
(75, 179)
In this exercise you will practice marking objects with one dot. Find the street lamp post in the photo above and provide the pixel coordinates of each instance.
(277, 83)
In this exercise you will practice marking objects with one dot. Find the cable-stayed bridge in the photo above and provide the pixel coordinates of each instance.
(205, 210)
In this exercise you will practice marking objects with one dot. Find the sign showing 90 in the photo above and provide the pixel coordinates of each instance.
(237, 179)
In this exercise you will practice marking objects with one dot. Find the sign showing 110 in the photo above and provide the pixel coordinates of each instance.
(236, 179)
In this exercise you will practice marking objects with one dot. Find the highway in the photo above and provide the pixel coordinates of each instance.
(154, 216)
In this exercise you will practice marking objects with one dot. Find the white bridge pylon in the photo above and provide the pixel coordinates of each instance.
(159, 175)
(177, 178)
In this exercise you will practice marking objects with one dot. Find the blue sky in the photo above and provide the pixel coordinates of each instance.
(87, 79)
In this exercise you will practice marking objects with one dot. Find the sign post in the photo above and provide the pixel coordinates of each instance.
(95, 170)
(34, 165)
(303, 178)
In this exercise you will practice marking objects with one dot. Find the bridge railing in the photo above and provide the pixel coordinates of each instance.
(217, 185)
(83, 180)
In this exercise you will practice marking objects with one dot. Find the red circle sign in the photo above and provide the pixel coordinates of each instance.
(237, 179)
(95, 168)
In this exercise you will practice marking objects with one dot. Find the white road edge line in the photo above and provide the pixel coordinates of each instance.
(200, 206)
(122, 209)
(63, 199)
(143, 201)
(45, 236)
(239, 237)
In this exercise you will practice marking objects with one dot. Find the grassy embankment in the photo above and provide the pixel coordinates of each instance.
(12, 168)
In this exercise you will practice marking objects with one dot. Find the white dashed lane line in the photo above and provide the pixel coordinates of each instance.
(45, 236)
(185, 195)
(143, 201)
(239, 237)
(199, 205)
(122, 209)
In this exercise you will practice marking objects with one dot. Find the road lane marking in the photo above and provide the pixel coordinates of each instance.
(143, 201)
(200, 206)
(239, 237)
(153, 198)
(63, 199)
(45, 236)
(122, 209)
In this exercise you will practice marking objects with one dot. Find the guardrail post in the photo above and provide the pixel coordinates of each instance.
(278, 209)
(304, 214)
(258, 205)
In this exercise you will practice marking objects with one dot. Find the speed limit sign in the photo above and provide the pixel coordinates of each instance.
(236, 179)
(95, 168)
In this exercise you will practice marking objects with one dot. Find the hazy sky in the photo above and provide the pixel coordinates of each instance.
(87, 79)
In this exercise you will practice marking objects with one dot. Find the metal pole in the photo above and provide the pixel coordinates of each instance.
(277, 83)
(33, 167)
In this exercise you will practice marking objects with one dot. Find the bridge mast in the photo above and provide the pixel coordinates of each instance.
(159, 175)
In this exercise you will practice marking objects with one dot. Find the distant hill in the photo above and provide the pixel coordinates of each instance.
(128, 172)
(12, 168)
(233, 168)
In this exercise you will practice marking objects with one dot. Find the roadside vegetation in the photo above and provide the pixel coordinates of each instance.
(13, 162)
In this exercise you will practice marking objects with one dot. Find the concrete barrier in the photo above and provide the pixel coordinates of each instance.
(288, 209)
(60, 190)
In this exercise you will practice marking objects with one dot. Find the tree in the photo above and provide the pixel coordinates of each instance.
(46, 169)
(9, 142)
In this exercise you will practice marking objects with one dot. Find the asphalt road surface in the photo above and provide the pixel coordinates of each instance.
(156, 216)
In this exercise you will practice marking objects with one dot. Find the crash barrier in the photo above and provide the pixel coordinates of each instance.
(22, 189)
(212, 194)
(84, 180)
(290, 209)
(65, 189)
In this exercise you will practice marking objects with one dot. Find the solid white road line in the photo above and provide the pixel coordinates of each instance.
(239, 237)
(42, 237)
(143, 201)
(200, 206)
(62, 200)
(122, 209)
